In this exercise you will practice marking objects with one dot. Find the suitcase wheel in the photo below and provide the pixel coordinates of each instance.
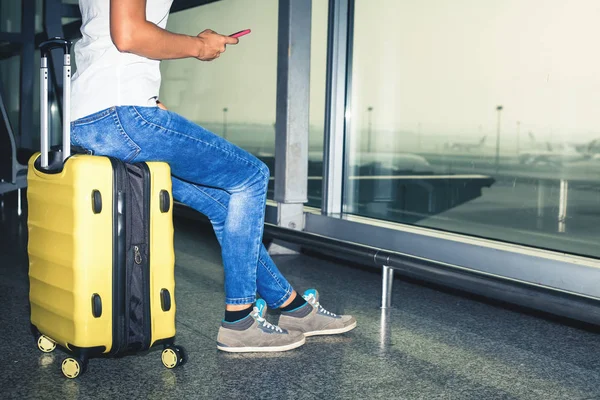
(173, 356)
(45, 344)
(73, 367)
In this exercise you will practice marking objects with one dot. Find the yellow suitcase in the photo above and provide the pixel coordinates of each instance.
(101, 258)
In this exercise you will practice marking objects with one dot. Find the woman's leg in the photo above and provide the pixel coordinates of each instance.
(227, 178)
(214, 203)
(204, 160)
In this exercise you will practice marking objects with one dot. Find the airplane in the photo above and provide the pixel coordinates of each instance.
(468, 147)
(558, 154)
(590, 149)
(388, 163)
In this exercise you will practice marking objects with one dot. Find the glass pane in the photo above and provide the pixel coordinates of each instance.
(10, 12)
(235, 95)
(10, 77)
(479, 117)
(39, 12)
(318, 76)
(35, 135)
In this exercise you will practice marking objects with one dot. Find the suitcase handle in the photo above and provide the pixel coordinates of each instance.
(45, 49)
(55, 43)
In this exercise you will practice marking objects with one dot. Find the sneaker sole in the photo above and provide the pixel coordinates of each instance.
(331, 331)
(262, 349)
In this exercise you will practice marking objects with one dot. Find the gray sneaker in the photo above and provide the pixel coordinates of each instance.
(312, 319)
(255, 334)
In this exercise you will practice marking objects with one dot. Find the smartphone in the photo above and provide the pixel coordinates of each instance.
(240, 33)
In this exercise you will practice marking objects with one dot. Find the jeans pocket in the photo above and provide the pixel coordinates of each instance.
(105, 137)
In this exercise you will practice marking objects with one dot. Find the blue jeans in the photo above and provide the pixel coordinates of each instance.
(211, 175)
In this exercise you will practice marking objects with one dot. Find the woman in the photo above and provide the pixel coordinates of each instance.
(116, 113)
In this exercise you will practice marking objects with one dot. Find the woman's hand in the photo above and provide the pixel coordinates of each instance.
(160, 105)
(213, 44)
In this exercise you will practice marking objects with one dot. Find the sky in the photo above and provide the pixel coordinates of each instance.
(435, 66)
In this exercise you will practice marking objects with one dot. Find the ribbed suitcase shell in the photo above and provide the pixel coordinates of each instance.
(71, 252)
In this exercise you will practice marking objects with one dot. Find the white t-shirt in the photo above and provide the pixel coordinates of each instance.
(106, 77)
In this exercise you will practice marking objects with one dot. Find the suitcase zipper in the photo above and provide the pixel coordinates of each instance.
(138, 321)
(119, 257)
(146, 266)
(128, 270)
(129, 256)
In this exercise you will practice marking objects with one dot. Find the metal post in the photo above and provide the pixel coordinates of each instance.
(385, 330)
(293, 103)
(339, 65)
(19, 206)
(225, 122)
(562, 205)
(370, 137)
(518, 137)
(66, 125)
(53, 27)
(499, 109)
(44, 129)
(386, 286)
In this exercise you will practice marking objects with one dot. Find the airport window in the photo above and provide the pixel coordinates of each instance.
(10, 73)
(11, 16)
(234, 96)
(10, 66)
(478, 117)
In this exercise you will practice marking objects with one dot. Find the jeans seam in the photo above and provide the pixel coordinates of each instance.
(272, 275)
(240, 300)
(74, 138)
(136, 149)
(282, 300)
(91, 120)
(257, 245)
(200, 141)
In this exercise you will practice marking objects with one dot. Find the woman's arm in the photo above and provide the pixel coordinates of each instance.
(132, 33)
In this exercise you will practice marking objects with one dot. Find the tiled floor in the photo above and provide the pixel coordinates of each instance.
(433, 345)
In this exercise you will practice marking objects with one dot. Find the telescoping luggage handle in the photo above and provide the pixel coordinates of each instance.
(45, 49)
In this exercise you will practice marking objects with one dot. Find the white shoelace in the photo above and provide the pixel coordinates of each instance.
(313, 301)
(264, 322)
